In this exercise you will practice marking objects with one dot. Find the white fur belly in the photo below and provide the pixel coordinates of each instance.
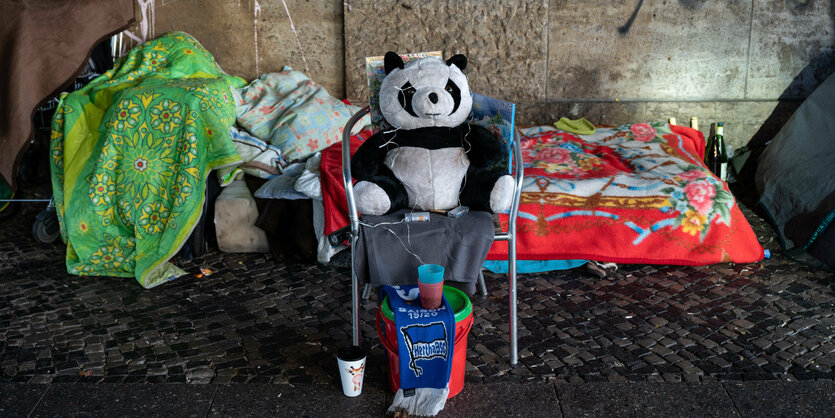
(432, 177)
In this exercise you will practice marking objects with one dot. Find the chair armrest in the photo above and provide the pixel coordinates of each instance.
(346, 169)
(518, 177)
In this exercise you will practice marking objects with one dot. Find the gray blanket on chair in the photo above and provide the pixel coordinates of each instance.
(384, 253)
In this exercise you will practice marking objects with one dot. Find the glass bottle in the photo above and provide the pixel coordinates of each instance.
(716, 157)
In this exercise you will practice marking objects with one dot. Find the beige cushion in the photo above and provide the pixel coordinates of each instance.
(235, 216)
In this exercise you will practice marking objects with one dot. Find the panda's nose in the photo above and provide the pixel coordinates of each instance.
(433, 98)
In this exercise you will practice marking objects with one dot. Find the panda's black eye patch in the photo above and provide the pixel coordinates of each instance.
(407, 92)
(455, 92)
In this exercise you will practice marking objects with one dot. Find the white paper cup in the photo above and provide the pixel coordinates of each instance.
(351, 362)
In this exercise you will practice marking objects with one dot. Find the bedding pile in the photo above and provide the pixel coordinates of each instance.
(634, 193)
(292, 113)
(130, 153)
(299, 118)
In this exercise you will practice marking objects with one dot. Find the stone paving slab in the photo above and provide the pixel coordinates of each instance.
(503, 400)
(18, 400)
(295, 401)
(126, 400)
(644, 399)
(799, 399)
(535, 399)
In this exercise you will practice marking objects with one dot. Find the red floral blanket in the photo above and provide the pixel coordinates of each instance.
(630, 194)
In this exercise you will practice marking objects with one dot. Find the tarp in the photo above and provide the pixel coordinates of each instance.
(45, 44)
(795, 177)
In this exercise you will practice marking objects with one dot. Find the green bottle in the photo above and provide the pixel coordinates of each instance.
(716, 157)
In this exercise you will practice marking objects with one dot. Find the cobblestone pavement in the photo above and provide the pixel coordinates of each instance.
(258, 320)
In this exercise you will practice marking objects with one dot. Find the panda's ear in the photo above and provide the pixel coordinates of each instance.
(393, 61)
(459, 60)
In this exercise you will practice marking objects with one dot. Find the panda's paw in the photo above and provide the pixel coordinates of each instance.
(371, 199)
(502, 194)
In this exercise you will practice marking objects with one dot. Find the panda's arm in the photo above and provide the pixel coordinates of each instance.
(485, 149)
(367, 165)
(367, 162)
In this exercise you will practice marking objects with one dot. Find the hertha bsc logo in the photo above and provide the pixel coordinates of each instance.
(425, 342)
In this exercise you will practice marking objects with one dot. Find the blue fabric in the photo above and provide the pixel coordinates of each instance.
(425, 339)
(533, 266)
(283, 186)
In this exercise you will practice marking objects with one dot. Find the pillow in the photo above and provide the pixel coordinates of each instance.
(260, 159)
(282, 186)
(293, 113)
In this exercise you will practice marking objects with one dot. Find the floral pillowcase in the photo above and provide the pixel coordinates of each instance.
(293, 113)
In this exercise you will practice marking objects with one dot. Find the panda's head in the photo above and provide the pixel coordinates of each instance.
(425, 92)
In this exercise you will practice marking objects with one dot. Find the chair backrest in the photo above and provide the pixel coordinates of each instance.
(497, 116)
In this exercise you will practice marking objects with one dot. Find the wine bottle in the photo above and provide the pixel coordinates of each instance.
(723, 152)
(716, 157)
(708, 146)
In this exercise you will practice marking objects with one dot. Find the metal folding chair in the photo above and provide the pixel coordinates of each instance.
(500, 235)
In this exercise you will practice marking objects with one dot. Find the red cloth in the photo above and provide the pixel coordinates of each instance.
(632, 194)
(697, 138)
(333, 189)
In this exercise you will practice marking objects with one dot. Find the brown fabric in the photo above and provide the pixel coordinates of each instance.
(43, 46)
(289, 228)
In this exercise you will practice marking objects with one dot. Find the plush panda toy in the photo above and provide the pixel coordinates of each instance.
(432, 159)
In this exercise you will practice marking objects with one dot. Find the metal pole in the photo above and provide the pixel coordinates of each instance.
(355, 298)
(511, 249)
(354, 217)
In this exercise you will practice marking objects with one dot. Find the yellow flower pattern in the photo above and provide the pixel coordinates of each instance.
(693, 222)
(102, 189)
(154, 217)
(125, 116)
(108, 255)
(166, 115)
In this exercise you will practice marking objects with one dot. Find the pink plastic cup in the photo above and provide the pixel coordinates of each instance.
(431, 285)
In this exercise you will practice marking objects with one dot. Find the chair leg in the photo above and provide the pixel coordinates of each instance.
(366, 291)
(481, 285)
(511, 267)
(355, 299)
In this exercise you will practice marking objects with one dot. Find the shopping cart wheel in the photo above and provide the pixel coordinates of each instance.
(45, 229)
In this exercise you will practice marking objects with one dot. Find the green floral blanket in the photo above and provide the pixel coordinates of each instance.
(131, 152)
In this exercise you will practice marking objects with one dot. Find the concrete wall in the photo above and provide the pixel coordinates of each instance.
(615, 61)
(251, 37)
(748, 63)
